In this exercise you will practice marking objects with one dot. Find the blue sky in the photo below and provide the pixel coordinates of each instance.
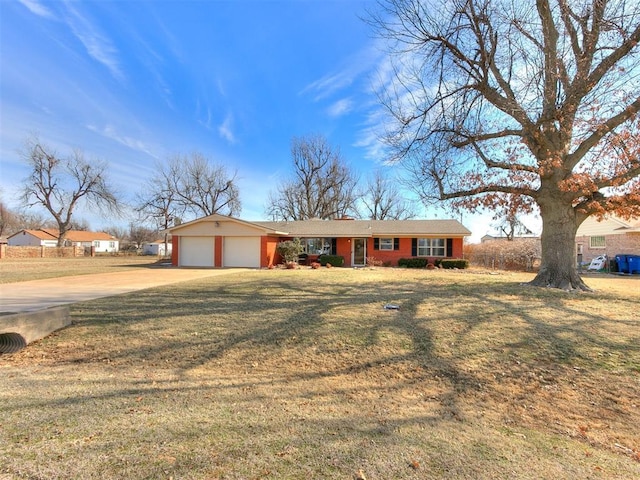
(135, 82)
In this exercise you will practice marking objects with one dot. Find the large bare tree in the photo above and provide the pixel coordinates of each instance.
(321, 185)
(382, 200)
(61, 184)
(188, 185)
(535, 98)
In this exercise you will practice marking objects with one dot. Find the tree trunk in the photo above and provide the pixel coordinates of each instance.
(62, 233)
(559, 262)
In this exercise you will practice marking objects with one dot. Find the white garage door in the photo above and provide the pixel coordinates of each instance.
(241, 252)
(196, 252)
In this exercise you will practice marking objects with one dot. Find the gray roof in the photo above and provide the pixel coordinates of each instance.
(367, 228)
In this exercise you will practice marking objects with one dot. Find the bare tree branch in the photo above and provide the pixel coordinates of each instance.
(61, 184)
(322, 185)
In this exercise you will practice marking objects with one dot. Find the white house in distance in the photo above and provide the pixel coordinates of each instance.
(47, 237)
(157, 247)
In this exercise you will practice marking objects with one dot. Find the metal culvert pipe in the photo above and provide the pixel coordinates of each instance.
(11, 342)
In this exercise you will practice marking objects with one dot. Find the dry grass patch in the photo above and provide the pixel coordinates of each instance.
(303, 374)
(24, 269)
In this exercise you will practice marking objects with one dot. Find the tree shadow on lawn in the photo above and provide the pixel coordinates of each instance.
(188, 326)
(450, 350)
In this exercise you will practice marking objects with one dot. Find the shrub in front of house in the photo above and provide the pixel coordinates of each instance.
(334, 260)
(374, 262)
(414, 262)
(289, 250)
(450, 263)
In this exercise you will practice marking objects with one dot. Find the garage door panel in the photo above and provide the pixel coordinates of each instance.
(241, 252)
(196, 251)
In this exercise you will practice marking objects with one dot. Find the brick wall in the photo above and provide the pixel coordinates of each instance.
(614, 244)
(10, 251)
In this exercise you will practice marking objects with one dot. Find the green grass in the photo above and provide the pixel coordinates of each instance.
(302, 374)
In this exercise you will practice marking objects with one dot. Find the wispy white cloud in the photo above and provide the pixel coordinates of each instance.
(370, 137)
(110, 132)
(37, 8)
(355, 67)
(97, 44)
(341, 107)
(328, 85)
(225, 130)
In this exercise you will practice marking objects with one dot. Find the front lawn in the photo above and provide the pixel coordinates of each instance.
(302, 374)
(24, 269)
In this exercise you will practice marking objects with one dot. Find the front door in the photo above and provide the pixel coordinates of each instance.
(358, 252)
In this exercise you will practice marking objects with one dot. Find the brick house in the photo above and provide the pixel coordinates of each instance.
(221, 241)
(611, 236)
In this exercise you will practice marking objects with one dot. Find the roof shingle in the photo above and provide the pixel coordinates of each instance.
(367, 228)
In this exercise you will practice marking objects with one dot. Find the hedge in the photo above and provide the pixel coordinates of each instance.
(421, 262)
(334, 260)
(412, 262)
(460, 263)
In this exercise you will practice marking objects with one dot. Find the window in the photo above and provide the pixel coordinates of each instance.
(317, 246)
(597, 242)
(112, 244)
(385, 244)
(431, 247)
(96, 243)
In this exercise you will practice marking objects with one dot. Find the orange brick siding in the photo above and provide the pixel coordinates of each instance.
(343, 249)
(217, 251)
(268, 255)
(392, 256)
(175, 243)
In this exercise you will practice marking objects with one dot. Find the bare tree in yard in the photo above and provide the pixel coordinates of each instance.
(383, 201)
(191, 185)
(138, 235)
(322, 184)
(535, 99)
(158, 202)
(60, 184)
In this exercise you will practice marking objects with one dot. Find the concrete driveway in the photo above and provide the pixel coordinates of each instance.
(39, 294)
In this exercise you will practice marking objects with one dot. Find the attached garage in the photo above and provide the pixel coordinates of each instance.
(196, 252)
(241, 252)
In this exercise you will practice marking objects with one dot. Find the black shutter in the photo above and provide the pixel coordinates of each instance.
(449, 247)
(414, 247)
(376, 244)
(396, 244)
(334, 246)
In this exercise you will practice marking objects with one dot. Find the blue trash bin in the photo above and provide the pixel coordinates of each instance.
(623, 263)
(634, 263)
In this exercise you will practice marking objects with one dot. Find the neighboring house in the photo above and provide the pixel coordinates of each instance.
(492, 238)
(48, 237)
(221, 241)
(32, 238)
(610, 236)
(157, 247)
